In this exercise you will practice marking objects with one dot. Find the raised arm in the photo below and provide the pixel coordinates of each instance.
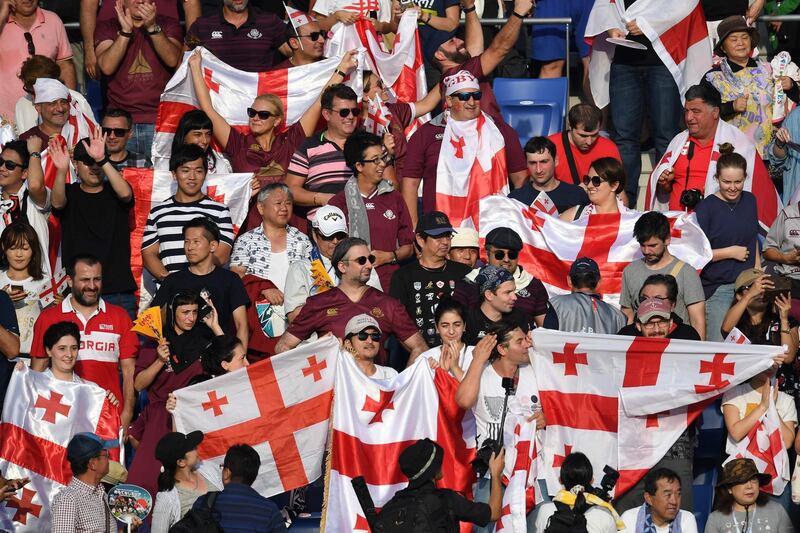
(504, 41)
(60, 158)
(473, 32)
(222, 130)
(36, 189)
(97, 150)
(429, 103)
(110, 53)
(467, 392)
(310, 118)
(88, 22)
(168, 49)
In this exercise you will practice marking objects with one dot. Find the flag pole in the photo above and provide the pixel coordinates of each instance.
(327, 478)
(291, 21)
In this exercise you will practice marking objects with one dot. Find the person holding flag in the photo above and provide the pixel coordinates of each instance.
(304, 39)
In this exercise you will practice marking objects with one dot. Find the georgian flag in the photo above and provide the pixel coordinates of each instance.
(280, 406)
(40, 417)
(624, 401)
(378, 116)
(550, 245)
(545, 204)
(522, 444)
(757, 181)
(678, 35)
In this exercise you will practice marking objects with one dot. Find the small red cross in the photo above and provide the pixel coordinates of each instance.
(361, 524)
(652, 420)
(558, 460)
(315, 368)
(24, 507)
(208, 76)
(214, 403)
(570, 359)
(533, 215)
(52, 406)
(674, 233)
(505, 511)
(211, 192)
(379, 406)
(766, 455)
(458, 144)
(717, 368)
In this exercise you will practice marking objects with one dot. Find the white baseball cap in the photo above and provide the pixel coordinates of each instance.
(329, 220)
(359, 323)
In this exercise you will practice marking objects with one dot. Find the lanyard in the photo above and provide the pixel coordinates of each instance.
(747, 521)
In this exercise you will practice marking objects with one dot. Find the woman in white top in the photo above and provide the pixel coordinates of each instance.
(362, 338)
(453, 355)
(23, 279)
(183, 478)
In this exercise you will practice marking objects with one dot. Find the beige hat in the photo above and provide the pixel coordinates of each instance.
(465, 238)
(116, 474)
(747, 277)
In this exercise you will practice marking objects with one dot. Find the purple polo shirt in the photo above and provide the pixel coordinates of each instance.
(246, 155)
(251, 47)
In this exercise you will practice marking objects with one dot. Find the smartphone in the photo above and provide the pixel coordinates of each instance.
(203, 311)
(781, 284)
(373, 15)
(17, 288)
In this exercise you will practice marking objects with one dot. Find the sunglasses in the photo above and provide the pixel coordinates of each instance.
(466, 96)
(263, 115)
(363, 335)
(594, 180)
(362, 260)
(336, 236)
(11, 165)
(345, 111)
(501, 254)
(29, 40)
(314, 35)
(115, 132)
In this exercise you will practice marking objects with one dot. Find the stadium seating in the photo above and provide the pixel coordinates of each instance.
(710, 447)
(532, 106)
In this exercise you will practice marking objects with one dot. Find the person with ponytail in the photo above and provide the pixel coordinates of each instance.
(729, 218)
(182, 480)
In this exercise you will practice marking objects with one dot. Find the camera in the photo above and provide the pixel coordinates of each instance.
(690, 198)
(610, 478)
(493, 446)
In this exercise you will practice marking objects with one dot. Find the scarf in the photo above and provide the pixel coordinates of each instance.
(357, 209)
(644, 521)
(522, 278)
(568, 498)
(320, 279)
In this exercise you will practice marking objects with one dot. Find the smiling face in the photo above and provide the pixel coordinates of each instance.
(731, 183)
(190, 177)
(64, 354)
(201, 138)
(114, 144)
(54, 114)
(313, 49)
(453, 51)
(515, 349)
(260, 126)
(87, 283)
(372, 165)
(599, 194)
(738, 46)
(337, 124)
(464, 110)
(11, 180)
(366, 349)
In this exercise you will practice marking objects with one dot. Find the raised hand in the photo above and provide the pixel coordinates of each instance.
(349, 61)
(148, 13)
(124, 17)
(34, 143)
(58, 153)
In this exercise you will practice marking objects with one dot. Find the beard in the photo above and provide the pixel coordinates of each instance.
(457, 56)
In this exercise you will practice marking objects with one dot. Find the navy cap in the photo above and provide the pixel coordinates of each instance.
(86, 445)
(434, 223)
(505, 238)
(584, 265)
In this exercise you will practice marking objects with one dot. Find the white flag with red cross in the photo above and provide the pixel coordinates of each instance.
(280, 406)
(550, 245)
(624, 401)
(54, 287)
(375, 420)
(378, 116)
(40, 416)
(545, 204)
(522, 443)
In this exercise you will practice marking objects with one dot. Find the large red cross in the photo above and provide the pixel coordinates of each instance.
(208, 75)
(767, 455)
(314, 368)
(52, 406)
(717, 368)
(558, 460)
(505, 511)
(379, 406)
(458, 144)
(24, 506)
(214, 403)
(276, 425)
(570, 359)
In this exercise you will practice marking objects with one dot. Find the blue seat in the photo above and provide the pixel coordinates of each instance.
(703, 491)
(94, 95)
(531, 120)
(532, 106)
(711, 437)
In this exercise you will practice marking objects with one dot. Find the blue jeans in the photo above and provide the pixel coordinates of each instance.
(635, 91)
(125, 300)
(141, 140)
(716, 308)
(480, 493)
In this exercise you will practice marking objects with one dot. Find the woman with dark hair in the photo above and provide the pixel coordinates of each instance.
(453, 355)
(196, 128)
(604, 182)
(729, 218)
(740, 503)
(22, 278)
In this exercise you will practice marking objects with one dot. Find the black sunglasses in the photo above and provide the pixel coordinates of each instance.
(362, 336)
(466, 96)
(263, 115)
(338, 236)
(115, 132)
(345, 111)
(11, 165)
(594, 180)
(501, 254)
(362, 260)
(29, 40)
(314, 35)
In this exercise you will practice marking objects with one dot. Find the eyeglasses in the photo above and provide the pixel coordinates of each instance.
(653, 324)
(346, 111)
(501, 254)
(314, 35)
(362, 260)
(103, 453)
(11, 165)
(336, 236)
(115, 132)
(263, 115)
(643, 298)
(29, 40)
(378, 159)
(362, 336)
(594, 180)
(466, 96)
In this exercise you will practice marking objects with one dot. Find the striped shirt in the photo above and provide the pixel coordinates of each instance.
(321, 164)
(165, 228)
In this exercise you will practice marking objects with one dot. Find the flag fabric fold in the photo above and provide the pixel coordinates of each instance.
(522, 444)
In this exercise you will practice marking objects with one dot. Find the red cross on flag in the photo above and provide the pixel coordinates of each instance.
(378, 116)
(36, 427)
(56, 286)
(550, 245)
(630, 398)
(375, 420)
(280, 406)
(522, 444)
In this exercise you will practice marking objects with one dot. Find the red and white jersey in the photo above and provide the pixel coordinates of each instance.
(106, 337)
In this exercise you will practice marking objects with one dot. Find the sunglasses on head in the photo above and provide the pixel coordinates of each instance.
(362, 260)
(501, 254)
(337, 236)
(29, 40)
(11, 165)
(345, 111)
(363, 335)
(263, 115)
(594, 180)
(314, 35)
(115, 132)
(466, 96)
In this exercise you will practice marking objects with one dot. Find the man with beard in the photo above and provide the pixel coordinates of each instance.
(653, 234)
(108, 346)
(239, 34)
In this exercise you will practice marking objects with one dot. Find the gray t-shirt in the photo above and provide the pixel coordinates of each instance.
(690, 289)
(769, 518)
(785, 236)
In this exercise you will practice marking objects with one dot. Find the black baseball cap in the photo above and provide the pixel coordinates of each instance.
(584, 264)
(434, 223)
(505, 238)
(174, 445)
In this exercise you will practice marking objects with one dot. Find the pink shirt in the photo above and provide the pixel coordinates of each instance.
(49, 38)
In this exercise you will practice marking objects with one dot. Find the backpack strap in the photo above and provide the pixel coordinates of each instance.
(676, 269)
(211, 499)
(573, 168)
(579, 211)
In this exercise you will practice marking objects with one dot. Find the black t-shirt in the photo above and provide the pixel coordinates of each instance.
(478, 323)
(679, 330)
(631, 56)
(8, 320)
(564, 196)
(457, 506)
(224, 287)
(719, 9)
(420, 290)
(99, 224)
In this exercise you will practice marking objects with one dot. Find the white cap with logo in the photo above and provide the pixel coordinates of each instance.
(359, 323)
(329, 220)
(463, 79)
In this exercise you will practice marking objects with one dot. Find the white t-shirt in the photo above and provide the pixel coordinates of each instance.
(687, 521)
(27, 310)
(384, 372)
(362, 7)
(436, 352)
(745, 398)
(278, 268)
(598, 519)
(37, 218)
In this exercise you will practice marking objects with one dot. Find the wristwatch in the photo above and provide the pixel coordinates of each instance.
(156, 29)
(38, 155)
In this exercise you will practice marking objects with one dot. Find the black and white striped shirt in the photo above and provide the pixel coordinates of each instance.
(165, 227)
